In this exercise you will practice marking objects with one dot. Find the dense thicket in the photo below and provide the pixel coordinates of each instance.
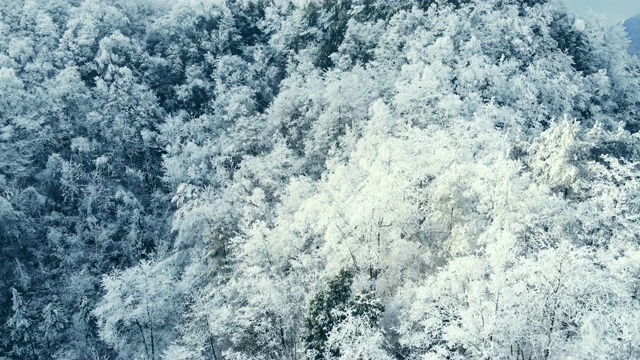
(253, 179)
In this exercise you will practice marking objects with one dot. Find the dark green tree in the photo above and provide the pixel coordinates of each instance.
(329, 308)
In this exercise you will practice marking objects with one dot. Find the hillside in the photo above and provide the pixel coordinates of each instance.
(339, 179)
(632, 27)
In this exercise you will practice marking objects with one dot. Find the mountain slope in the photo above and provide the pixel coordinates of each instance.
(632, 27)
(317, 179)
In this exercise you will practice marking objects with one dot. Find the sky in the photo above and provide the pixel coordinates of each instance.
(615, 10)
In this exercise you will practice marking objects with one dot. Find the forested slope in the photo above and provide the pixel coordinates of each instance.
(376, 179)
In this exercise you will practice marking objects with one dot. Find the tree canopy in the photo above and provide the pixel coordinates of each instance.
(306, 179)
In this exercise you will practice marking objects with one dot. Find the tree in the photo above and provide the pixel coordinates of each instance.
(137, 314)
(22, 334)
(324, 313)
(517, 311)
(336, 317)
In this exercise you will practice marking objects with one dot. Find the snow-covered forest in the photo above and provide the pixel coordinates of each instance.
(317, 179)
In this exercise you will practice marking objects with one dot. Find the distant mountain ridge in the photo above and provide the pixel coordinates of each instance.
(632, 27)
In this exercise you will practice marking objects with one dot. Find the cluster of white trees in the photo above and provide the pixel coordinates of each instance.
(335, 179)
